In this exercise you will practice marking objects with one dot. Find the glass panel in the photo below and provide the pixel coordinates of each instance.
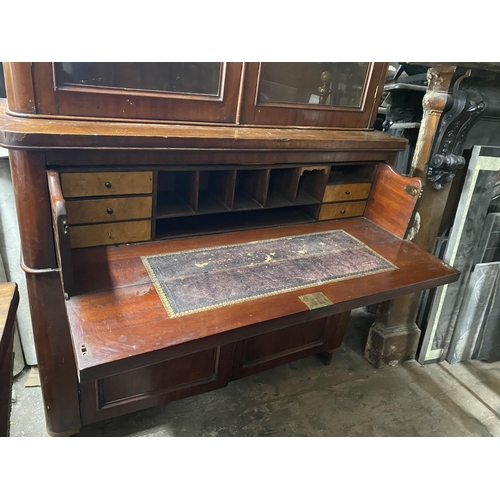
(330, 84)
(179, 77)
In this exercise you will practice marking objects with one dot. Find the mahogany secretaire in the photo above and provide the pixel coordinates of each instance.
(185, 224)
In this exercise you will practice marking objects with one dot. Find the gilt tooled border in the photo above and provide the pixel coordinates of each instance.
(172, 314)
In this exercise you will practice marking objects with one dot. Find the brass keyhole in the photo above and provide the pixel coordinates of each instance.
(109, 211)
(107, 184)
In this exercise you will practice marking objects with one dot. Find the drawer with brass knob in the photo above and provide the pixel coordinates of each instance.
(110, 234)
(109, 209)
(342, 210)
(82, 184)
(347, 192)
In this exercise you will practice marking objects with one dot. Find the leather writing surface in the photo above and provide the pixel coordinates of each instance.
(193, 281)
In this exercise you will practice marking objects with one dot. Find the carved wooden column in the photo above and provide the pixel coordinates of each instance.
(394, 336)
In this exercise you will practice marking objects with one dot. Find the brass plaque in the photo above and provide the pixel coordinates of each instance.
(315, 300)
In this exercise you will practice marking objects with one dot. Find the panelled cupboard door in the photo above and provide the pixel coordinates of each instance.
(313, 94)
(174, 91)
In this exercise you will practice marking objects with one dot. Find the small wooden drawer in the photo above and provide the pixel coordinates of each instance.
(342, 210)
(77, 185)
(110, 234)
(347, 192)
(109, 209)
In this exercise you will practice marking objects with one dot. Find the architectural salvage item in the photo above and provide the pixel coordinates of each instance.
(463, 251)
(446, 159)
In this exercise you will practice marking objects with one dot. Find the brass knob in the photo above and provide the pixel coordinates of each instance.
(342, 211)
(109, 211)
(109, 235)
(107, 184)
(347, 192)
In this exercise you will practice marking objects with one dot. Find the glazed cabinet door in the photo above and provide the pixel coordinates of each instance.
(337, 95)
(177, 91)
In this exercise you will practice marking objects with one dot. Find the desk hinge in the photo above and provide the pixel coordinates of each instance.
(84, 349)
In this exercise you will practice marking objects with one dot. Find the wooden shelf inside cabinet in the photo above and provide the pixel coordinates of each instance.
(216, 191)
(312, 183)
(230, 221)
(215, 200)
(343, 174)
(251, 188)
(177, 193)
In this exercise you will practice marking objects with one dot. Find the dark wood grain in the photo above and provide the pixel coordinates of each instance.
(120, 285)
(53, 346)
(49, 134)
(156, 384)
(19, 87)
(137, 105)
(172, 157)
(9, 300)
(33, 208)
(62, 240)
(390, 205)
(283, 346)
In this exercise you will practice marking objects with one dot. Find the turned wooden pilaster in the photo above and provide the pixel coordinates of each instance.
(394, 336)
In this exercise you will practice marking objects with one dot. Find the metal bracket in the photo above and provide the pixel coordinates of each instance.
(412, 190)
(84, 349)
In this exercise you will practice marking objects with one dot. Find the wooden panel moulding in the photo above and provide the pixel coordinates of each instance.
(47, 134)
(148, 386)
(282, 346)
(107, 103)
(289, 114)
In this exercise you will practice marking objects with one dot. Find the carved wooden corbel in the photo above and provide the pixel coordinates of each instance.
(446, 159)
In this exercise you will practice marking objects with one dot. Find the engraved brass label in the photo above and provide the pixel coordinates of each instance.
(316, 300)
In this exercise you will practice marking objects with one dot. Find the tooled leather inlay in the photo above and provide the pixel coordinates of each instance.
(208, 278)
